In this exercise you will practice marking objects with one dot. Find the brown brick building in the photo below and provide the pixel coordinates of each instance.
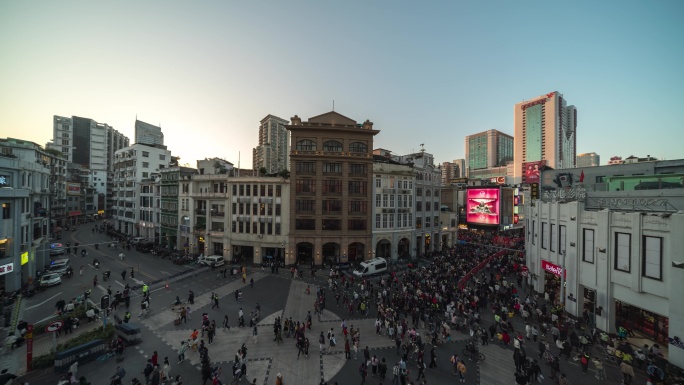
(331, 163)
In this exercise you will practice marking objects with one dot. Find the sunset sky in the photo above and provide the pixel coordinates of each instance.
(423, 72)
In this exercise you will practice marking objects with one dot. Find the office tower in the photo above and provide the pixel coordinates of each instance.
(91, 145)
(487, 149)
(545, 135)
(146, 133)
(452, 170)
(273, 150)
(589, 159)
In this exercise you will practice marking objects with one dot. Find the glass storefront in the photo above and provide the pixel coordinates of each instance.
(635, 319)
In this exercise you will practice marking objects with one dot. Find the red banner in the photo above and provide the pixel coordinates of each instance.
(553, 269)
(29, 346)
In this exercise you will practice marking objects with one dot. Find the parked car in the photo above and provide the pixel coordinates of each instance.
(50, 280)
(137, 240)
(212, 261)
(57, 249)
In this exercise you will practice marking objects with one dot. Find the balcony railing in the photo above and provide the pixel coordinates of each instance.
(217, 213)
(201, 211)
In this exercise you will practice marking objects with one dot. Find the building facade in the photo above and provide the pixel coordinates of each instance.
(588, 159)
(330, 202)
(428, 178)
(273, 151)
(452, 170)
(491, 148)
(606, 240)
(92, 145)
(545, 130)
(146, 133)
(132, 165)
(149, 223)
(25, 185)
(393, 209)
(243, 219)
(169, 221)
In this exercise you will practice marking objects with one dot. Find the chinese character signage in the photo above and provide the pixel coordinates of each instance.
(482, 206)
(24, 258)
(8, 268)
(73, 189)
(534, 191)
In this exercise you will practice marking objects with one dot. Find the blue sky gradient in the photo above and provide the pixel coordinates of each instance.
(423, 72)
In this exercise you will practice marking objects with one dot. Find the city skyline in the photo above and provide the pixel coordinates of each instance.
(208, 73)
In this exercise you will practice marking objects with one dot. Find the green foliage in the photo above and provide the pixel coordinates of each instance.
(48, 360)
(78, 312)
(263, 171)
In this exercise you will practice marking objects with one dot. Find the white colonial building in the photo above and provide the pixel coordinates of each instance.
(240, 218)
(616, 255)
(132, 165)
(393, 209)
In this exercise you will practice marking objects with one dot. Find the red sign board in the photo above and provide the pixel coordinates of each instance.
(54, 326)
(29, 346)
(553, 269)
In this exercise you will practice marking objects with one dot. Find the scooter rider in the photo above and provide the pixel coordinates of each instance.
(96, 263)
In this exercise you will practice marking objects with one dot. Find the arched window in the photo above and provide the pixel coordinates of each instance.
(358, 147)
(332, 146)
(428, 193)
(306, 145)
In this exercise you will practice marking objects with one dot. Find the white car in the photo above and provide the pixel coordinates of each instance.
(50, 280)
(212, 260)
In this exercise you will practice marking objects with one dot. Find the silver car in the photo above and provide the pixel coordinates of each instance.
(50, 280)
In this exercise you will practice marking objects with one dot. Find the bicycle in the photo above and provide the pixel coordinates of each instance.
(473, 355)
(103, 358)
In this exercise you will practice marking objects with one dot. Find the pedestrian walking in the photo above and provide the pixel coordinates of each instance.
(461, 368)
(363, 371)
(627, 372)
(226, 326)
(80, 272)
(123, 275)
(255, 333)
(181, 351)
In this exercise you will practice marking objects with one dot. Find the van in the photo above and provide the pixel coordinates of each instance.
(213, 261)
(59, 266)
(371, 267)
(136, 240)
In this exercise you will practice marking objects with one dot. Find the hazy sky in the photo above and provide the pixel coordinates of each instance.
(423, 71)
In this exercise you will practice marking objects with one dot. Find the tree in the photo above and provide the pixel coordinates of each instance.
(284, 173)
(262, 171)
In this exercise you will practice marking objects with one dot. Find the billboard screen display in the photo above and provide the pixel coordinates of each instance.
(533, 171)
(482, 206)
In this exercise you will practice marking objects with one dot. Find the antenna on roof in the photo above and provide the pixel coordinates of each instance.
(333, 105)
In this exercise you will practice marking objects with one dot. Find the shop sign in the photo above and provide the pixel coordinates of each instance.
(553, 269)
(565, 194)
(4, 180)
(534, 191)
(5, 269)
(74, 213)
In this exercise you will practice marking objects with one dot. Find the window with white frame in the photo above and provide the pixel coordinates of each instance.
(588, 245)
(554, 240)
(545, 239)
(561, 239)
(377, 221)
(622, 251)
(653, 257)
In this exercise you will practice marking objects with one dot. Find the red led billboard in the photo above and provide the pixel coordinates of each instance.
(482, 206)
